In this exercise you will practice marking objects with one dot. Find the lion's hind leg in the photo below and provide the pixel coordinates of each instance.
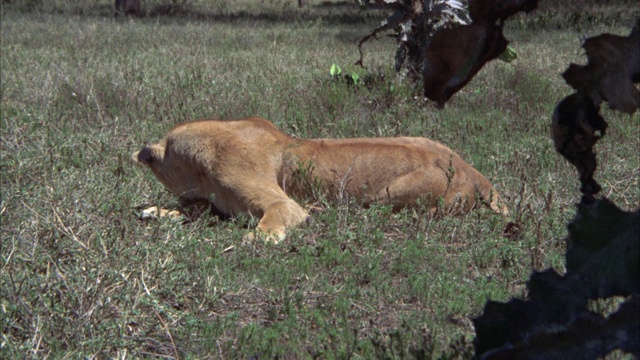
(415, 188)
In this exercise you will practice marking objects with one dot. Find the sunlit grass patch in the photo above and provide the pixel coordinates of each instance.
(82, 277)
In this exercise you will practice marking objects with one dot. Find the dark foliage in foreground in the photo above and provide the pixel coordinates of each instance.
(603, 247)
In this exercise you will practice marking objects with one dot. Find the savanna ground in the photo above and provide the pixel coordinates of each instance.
(82, 277)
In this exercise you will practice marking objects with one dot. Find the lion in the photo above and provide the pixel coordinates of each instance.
(250, 166)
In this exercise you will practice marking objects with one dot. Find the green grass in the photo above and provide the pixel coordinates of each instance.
(82, 277)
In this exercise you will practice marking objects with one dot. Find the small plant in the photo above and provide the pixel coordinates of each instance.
(351, 79)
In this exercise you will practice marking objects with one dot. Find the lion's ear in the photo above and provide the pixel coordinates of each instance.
(144, 156)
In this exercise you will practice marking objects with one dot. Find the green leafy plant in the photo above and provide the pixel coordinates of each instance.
(335, 70)
(351, 78)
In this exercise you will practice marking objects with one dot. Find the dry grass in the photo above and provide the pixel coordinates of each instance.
(82, 277)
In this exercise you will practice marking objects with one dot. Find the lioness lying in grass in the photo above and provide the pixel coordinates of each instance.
(250, 166)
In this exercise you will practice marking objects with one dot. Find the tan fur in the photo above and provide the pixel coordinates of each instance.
(249, 166)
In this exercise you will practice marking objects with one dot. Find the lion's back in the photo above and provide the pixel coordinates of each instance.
(231, 148)
(253, 134)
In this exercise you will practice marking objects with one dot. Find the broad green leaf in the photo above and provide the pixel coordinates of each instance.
(335, 70)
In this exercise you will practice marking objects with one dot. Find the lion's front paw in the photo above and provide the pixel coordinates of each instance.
(257, 234)
(154, 213)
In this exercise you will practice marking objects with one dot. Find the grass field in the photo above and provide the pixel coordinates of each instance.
(83, 278)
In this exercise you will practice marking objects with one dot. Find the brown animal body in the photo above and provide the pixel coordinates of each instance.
(249, 166)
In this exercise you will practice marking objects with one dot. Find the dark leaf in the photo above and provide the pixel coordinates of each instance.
(554, 323)
(612, 69)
